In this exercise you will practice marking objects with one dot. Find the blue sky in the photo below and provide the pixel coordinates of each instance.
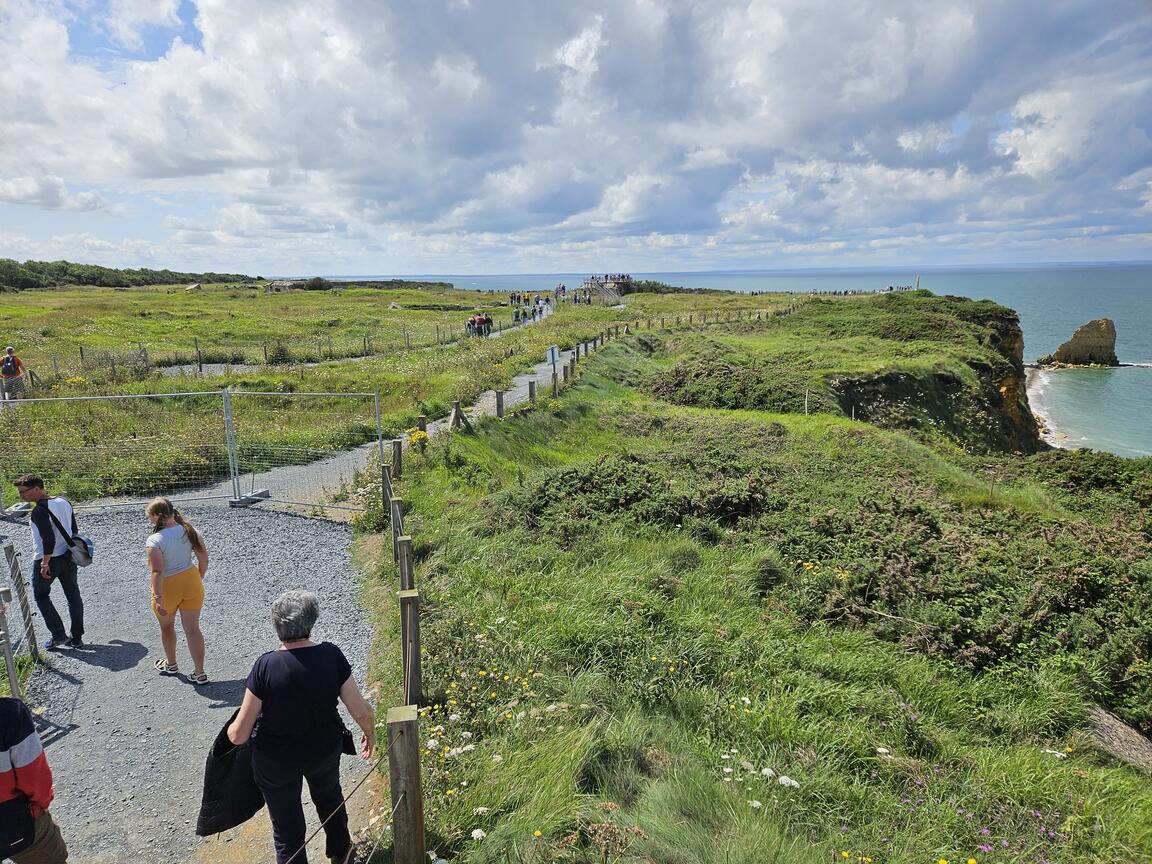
(360, 136)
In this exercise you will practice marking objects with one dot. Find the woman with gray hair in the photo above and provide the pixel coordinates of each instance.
(289, 712)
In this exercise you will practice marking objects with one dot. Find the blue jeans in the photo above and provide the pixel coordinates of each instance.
(63, 569)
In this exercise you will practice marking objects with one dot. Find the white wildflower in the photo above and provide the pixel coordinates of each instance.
(785, 780)
(433, 744)
(466, 735)
(497, 758)
(747, 766)
(755, 805)
(745, 700)
(453, 718)
(883, 751)
(481, 811)
(727, 770)
(767, 772)
(478, 834)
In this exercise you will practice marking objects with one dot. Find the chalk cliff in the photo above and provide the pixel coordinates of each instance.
(1093, 344)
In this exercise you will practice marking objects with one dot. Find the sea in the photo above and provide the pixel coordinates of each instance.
(1103, 409)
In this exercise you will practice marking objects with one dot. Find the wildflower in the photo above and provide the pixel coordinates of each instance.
(537, 834)
(433, 744)
(767, 772)
(478, 834)
(844, 853)
(745, 700)
(942, 861)
(453, 718)
(727, 770)
(755, 805)
(497, 758)
(883, 751)
(971, 861)
(785, 780)
(480, 811)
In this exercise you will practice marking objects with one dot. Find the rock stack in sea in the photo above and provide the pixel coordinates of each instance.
(1093, 344)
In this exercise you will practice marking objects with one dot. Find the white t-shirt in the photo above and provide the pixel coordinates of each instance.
(62, 510)
(175, 547)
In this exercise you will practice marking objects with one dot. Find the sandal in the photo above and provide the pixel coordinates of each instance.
(166, 668)
(202, 678)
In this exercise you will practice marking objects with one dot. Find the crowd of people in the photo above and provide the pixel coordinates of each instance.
(288, 716)
(479, 325)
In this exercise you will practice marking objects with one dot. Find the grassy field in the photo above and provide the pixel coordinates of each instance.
(148, 446)
(639, 619)
(237, 325)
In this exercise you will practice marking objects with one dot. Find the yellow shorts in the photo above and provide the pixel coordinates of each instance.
(183, 590)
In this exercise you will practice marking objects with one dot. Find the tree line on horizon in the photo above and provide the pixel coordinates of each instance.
(15, 276)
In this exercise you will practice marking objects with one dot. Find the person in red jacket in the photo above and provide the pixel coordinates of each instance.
(28, 834)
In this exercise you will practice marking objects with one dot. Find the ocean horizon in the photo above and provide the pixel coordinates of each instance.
(1102, 409)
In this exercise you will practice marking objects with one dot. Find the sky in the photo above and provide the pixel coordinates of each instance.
(537, 136)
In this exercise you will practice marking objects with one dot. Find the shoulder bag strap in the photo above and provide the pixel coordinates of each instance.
(67, 535)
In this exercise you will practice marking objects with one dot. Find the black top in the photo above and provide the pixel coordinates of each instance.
(299, 689)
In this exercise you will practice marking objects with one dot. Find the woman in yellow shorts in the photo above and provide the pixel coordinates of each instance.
(177, 558)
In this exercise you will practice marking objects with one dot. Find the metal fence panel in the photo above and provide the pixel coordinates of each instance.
(119, 450)
(304, 449)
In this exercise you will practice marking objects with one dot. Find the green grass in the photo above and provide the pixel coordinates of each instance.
(673, 592)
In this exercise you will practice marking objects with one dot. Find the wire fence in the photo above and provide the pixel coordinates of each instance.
(293, 449)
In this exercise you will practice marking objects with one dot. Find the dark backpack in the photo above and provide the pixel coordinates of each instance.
(8, 365)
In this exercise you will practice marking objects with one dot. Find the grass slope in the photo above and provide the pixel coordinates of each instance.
(639, 618)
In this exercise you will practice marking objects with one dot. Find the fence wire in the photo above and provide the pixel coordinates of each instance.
(305, 450)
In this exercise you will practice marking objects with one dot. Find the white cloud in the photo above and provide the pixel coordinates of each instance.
(347, 129)
(126, 18)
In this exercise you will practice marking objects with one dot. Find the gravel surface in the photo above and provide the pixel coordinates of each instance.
(127, 746)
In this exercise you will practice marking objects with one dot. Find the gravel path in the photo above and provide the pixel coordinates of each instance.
(126, 746)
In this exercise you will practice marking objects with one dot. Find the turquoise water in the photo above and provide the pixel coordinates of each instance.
(1106, 409)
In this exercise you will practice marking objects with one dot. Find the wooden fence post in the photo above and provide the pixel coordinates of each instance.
(577, 352)
(6, 644)
(16, 577)
(407, 341)
(397, 458)
(422, 422)
(396, 512)
(555, 384)
(55, 367)
(404, 782)
(500, 404)
(661, 323)
(532, 391)
(565, 371)
(112, 359)
(617, 331)
(407, 574)
(410, 655)
(199, 356)
(386, 489)
(265, 347)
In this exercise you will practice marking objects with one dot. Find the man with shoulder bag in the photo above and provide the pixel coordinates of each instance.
(58, 546)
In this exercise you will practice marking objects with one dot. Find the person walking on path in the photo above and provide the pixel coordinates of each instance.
(178, 559)
(28, 834)
(11, 375)
(53, 560)
(290, 699)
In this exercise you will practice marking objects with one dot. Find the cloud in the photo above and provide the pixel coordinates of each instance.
(47, 192)
(392, 134)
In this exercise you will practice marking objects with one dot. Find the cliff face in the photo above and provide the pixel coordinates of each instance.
(1093, 344)
(992, 415)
